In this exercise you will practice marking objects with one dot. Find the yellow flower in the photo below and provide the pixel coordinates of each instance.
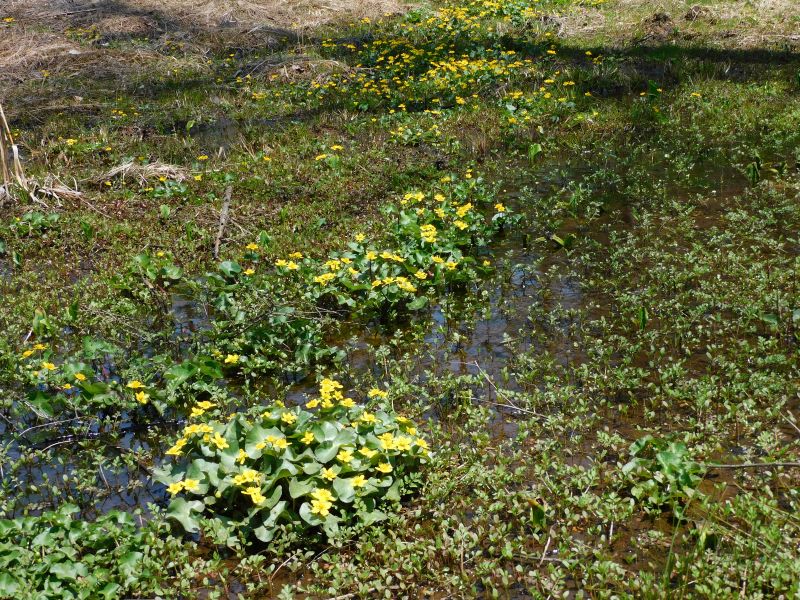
(460, 224)
(402, 443)
(360, 237)
(384, 468)
(177, 449)
(420, 274)
(142, 397)
(322, 494)
(328, 474)
(191, 485)
(249, 271)
(344, 456)
(371, 255)
(499, 207)
(486, 263)
(460, 100)
(231, 359)
(325, 278)
(386, 440)
(49, 366)
(174, 488)
(337, 147)
(255, 494)
(220, 442)
(464, 209)
(312, 403)
(27, 353)
(296, 255)
(377, 393)
(367, 417)
(359, 481)
(135, 384)
(321, 507)
(321, 157)
(247, 476)
(307, 438)
(241, 456)
(348, 403)
(281, 443)
(202, 157)
(288, 418)
(421, 443)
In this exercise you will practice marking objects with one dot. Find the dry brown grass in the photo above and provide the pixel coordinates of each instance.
(739, 24)
(45, 37)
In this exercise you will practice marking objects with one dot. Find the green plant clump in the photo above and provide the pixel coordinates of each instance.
(287, 466)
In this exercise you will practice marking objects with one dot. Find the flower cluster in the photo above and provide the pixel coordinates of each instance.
(332, 462)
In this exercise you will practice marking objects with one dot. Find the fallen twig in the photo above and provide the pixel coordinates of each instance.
(223, 219)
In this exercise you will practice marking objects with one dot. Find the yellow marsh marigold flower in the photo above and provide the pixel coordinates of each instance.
(321, 507)
(307, 438)
(360, 237)
(27, 353)
(499, 207)
(328, 474)
(296, 255)
(312, 403)
(49, 366)
(367, 452)
(460, 224)
(344, 456)
(241, 456)
(348, 403)
(40, 347)
(142, 397)
(320, 157)
(177, 449)
(175, 488)
(281, 443)
(249, 272)
(135, 385)
(255, 495)
(191, 485)
(322, 494)
(252, 246)
(247, 476)
(384, 468)
(377, 393)
(359, 481)
(288, 418)
(428, 233)
(219, 441)
(368, 417)
(325, 278)
(386, 440)
(371, 255)
(420, 274)
(232, 359)
(402, 443)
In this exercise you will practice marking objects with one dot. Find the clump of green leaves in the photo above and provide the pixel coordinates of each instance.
(662, 474)
(58, 556)
(307, 471)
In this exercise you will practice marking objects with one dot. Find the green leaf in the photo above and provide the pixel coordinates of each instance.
(344, 489)
(230, 268)
(299, 488)
(183, 512)
(8, 585)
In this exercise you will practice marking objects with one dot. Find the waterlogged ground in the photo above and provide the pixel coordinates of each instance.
(609, 385)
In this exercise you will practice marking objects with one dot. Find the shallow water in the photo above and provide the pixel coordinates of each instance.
(488, 337)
